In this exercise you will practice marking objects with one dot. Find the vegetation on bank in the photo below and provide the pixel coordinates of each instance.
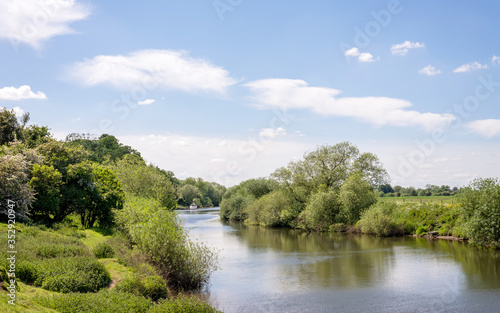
(94, 227)
(335, 188)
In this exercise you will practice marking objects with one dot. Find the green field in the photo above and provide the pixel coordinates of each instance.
(439, 199)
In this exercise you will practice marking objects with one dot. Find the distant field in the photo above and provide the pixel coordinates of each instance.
(440, 199)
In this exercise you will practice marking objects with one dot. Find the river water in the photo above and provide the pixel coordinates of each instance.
(285, 270)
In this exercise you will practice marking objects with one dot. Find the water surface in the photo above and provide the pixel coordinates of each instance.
(285, 270)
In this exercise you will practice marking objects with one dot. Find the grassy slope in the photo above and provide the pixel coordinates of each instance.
(24, 298)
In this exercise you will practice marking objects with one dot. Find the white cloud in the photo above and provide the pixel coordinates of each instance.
(470, 67)
(298, 133)
(146, 102)
(18, 111)
(488, 128)
(21, 93)
(272, 133)
(287, 94)
(32, 22)
(495, 60)
(402, 48)
(429, 70)
(151, 69)
(362, 56)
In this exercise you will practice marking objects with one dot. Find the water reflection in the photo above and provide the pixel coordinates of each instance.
(272, 269)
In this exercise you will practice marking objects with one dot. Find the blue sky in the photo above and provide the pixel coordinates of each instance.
(229, 90)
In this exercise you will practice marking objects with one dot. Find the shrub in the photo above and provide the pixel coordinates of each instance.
(74, 274)
(322, 210)
(158, 234)
(152, 287)
(52, 250)
(480, 206)
(356, 195)
(377, 220)
(103, 250)
(101, 302)
(155, 288)
(183, 304)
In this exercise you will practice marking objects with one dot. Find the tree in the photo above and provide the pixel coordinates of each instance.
(188, 193)
(14, 187)
(421, 193)
(329, 166)
(356, 195)
(386, 188)
(145, 181)
(480, 206)
(10, 127)
(34, 136)
(46, 181)
(95, 192)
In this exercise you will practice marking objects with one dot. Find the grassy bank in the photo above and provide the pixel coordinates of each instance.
(70, 269)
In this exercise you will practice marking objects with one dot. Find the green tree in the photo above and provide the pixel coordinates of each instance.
(188, 193)
(480, 206)
(323, 210)
(46, 181)
(145, 181)
(11, 128)
(34, 135)
(356, 195)
(95, 191)
(14, 187)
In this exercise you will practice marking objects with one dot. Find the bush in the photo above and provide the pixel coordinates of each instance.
(53, 250)
(103, 250)
(377, 221)
(480, 205)
(183, 304)
(101, 302)
(322, 210)
(356, 195)
(152, 287)
(159, 235)
(70, 274)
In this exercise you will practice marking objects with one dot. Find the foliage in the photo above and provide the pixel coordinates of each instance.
(10, 126)
(46, 182)
(105, 148)
(152, 287)
(323, 210)
(101, 302)
(103, 250)
(232, 208)
(159, 235)
(356, 195)
(95, 192)
(480, 206)
(273, 209)
(14, 187)
(378, 221)
(183, 304)
(145, 181)
(204, 194)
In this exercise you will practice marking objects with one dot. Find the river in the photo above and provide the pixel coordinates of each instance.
(286, 270)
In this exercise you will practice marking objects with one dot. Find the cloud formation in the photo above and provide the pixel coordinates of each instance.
(272, 133)
(32, 22)
(488, 128)
(495, 60)
(22, 93)
(470, 67)
(429, 70)
(362, 56)
(288, 94)
(146, 102)
(402, 48)
(151, 69)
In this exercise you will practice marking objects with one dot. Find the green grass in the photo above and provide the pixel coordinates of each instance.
(24, 300)
(95, 235)
(117, 271)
